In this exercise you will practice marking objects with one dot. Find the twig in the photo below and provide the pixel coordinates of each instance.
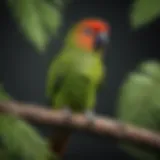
(102, 125)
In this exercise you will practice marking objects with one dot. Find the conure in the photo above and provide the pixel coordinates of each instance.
(77, 72)
(139, 104)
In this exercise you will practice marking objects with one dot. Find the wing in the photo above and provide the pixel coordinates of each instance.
(56, 74)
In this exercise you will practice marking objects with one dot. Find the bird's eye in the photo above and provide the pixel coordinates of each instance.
(88, 31)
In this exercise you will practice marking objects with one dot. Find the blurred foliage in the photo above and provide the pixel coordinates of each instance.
(38, 19)
(139, 104)
(3, 94)
(144, 12)
(18, 139)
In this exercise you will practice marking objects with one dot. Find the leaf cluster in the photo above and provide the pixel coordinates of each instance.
(39, 20)
(144, 12)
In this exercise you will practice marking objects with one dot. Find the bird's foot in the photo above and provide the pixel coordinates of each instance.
(67, 111)
(90, 116)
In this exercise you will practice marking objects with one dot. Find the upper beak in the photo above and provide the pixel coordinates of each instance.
(101, 40)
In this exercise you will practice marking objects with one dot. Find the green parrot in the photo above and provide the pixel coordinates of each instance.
(76, 74)
(139, 104)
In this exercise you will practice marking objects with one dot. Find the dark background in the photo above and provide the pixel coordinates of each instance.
(23, 71)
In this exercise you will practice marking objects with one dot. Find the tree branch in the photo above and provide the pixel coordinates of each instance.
(102, 125)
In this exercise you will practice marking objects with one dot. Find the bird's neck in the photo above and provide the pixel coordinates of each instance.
(79, 49)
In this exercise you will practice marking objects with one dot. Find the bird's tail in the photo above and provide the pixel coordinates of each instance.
(59, 140)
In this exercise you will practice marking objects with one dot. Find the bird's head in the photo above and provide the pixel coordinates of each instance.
(92, 35)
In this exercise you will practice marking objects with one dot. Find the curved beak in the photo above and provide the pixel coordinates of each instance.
(101, 40)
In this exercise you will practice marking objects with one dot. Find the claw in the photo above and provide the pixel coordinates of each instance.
(90, 116)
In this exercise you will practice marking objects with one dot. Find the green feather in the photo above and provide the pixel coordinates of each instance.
(80, 73)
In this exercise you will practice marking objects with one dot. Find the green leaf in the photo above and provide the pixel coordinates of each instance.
(50, 16)
(38, 19)
(20, 140)
(139, 104)
(59, 3)
(3, 94)
(29, 21)
(144, 12)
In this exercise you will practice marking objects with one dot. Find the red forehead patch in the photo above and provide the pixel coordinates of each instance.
(97, 25)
